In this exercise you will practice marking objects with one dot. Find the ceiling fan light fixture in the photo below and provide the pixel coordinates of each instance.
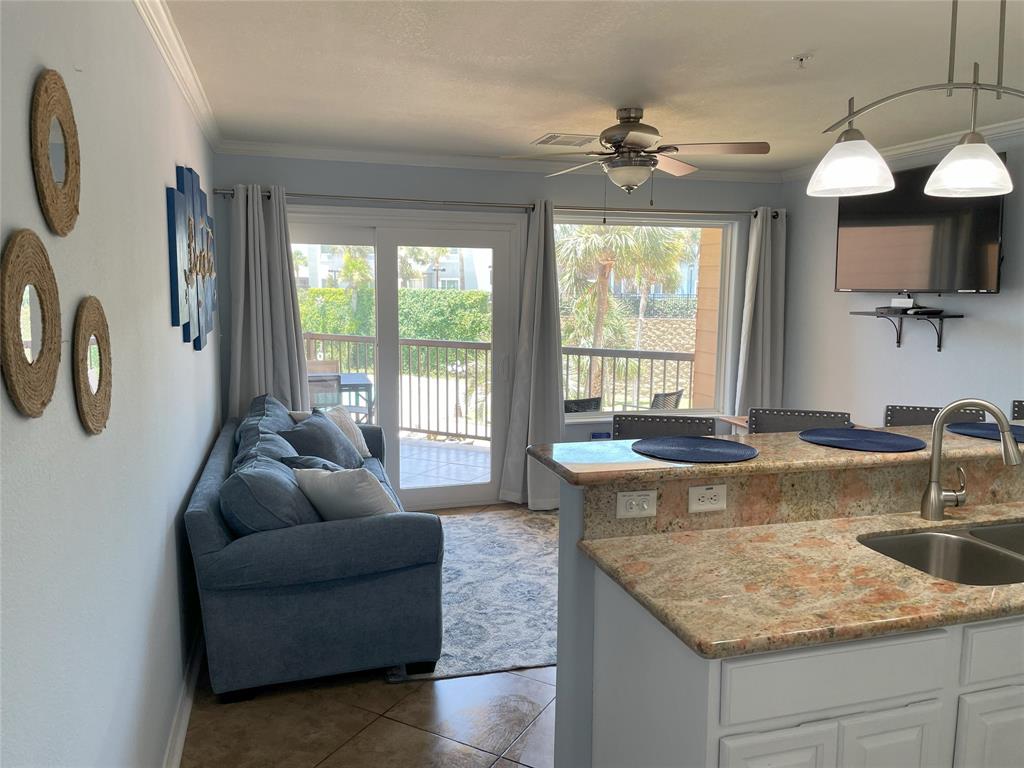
(851, 167)
(630, 171)
(970, 169)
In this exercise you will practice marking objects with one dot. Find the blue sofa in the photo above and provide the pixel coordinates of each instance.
(318, 599)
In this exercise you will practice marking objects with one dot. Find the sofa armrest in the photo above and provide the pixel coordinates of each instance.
(374, 437)
(317, 552)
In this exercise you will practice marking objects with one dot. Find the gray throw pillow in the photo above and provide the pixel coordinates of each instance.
(263, 495)
(320, 436)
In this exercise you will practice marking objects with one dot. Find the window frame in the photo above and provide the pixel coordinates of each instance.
(728, 325)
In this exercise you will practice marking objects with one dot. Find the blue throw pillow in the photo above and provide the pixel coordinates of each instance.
(320, 436)
(262, 495)
(309, 462)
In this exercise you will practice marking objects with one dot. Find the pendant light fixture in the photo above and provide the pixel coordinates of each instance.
(971, 169)
(852, 167)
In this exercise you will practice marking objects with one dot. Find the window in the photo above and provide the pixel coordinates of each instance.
(639, 308)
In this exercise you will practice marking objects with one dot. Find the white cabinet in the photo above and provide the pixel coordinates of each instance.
(908, 737)
(990, 729)
(809, 746)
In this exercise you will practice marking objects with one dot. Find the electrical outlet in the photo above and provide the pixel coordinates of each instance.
(636, 504)
(707, 498)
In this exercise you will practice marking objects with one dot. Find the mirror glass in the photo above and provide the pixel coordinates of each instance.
(31, 323)
(57, 151)
(93, 356)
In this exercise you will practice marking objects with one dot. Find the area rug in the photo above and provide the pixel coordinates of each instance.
(499, 591)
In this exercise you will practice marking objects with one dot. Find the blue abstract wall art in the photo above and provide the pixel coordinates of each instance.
(193, 272)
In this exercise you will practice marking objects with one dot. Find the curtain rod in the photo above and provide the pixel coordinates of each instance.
(226, 192)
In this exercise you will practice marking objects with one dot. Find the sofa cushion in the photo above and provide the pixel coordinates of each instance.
(255, 442)
(309, 462)
(345, 493)
(377, 469)
(272, 413)
(320, 436)
(263, 495)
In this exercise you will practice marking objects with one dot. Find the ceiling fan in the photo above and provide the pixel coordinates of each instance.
(632, 151)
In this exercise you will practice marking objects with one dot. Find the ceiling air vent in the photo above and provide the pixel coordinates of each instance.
(565, 140)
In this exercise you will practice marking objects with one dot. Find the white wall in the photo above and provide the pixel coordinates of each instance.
(375, 180)
(94, 568)
(834, 360)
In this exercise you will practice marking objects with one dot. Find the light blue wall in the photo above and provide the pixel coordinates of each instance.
(95, 572)
(837, 361)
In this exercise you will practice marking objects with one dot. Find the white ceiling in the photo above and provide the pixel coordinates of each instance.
(483, 79)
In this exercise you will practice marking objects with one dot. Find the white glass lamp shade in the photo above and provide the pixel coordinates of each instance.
(971, 169)
(852, 167)
(629, 174)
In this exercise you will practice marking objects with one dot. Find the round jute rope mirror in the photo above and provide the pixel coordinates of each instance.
(29, 323)
(92, 372)
(55, 160)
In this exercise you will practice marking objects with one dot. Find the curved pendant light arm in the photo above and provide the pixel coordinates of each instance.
(995, 88)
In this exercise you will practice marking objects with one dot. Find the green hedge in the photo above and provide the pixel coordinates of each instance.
(423, 313)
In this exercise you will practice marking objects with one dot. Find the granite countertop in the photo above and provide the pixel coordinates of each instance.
(735, 591)
(608, 461)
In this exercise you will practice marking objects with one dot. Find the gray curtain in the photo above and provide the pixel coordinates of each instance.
(537, 408)
(266, 334)
(762, 333)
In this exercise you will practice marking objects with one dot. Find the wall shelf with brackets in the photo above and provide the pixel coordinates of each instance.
(935, 321)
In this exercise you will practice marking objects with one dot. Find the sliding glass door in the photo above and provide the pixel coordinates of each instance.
(410, 328)
(445, 333)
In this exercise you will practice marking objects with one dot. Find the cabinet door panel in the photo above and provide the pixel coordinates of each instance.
(809, 746)
(907, 737)
(990, 729)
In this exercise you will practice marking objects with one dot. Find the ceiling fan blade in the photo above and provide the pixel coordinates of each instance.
(675, 167)
(575, 168)
(555, 155)
(720, 148)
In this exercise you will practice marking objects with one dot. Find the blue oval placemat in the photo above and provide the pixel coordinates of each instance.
(694, 449)
(852, 439)
(988, 430)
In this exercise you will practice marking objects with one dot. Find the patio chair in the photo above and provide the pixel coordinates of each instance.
(786, 420)
(1018, 410)
(324, 393)
(666, 400)
(631, 426)
(583, 405)
(323, 366)
(921, 415)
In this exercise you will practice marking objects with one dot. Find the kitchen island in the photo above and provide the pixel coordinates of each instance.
(767, 633)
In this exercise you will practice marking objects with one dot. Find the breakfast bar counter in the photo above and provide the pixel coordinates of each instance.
(734, 591)
(721, 635)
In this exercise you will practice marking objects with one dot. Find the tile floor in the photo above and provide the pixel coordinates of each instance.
(500, 720)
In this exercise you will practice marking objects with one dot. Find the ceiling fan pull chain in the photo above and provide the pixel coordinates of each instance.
(604, 219)
(652, 188)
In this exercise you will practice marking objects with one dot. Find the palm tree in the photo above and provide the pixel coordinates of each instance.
(588, 255)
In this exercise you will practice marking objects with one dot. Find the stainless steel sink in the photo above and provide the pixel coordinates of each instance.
(1006, 535)
(953, 555)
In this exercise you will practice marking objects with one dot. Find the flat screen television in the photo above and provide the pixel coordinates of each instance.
(904, 241)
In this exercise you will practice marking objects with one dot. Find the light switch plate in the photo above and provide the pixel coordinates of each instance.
(636, 504)
(707, 498)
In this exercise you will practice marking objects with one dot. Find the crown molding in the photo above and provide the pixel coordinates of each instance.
(993, 133)
(161, 26)
(466, 162)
